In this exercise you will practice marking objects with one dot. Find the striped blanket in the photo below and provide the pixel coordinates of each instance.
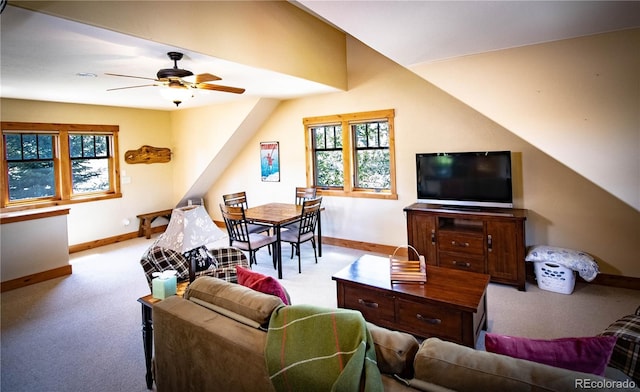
(320, 349)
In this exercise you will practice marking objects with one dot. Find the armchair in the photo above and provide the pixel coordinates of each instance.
(223, 263)
(183, 248)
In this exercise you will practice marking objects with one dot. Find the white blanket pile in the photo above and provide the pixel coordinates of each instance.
(581, 262)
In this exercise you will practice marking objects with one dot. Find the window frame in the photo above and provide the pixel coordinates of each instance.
(348, 153)
(64, 193)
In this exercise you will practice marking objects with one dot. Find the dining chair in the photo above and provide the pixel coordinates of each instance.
(306, 229)
(303, 194)
(239, 235)
(239, 199)
(236, 199)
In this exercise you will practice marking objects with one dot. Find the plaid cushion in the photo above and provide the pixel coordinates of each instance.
(230, 257)
(168, 259)
(228, 274)
(626, 353)
(147, 266)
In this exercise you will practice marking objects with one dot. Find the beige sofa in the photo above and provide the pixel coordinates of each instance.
(214, 339)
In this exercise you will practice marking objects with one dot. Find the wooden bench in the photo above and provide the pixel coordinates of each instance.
(148, 218)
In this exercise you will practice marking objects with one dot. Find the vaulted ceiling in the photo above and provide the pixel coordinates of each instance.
(60, 51)
(49, 58)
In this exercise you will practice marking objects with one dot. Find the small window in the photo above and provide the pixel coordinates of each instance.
(328, 162)
(50, 164)
(352, 154)
(372, 164)
(30, 166)
(89, 156)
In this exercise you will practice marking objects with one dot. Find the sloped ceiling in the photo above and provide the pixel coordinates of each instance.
(562, 75)
(415, 32)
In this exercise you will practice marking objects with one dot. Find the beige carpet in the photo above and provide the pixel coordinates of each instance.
(83, 332)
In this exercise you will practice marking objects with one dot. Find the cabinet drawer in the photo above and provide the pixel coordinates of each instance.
(375, 306)
(430, 320)
(462, 262)
(461, 242)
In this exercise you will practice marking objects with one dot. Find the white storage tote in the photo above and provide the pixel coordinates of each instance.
(554, 277)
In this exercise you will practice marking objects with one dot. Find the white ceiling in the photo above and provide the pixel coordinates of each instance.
(414, 32)
(42, 56)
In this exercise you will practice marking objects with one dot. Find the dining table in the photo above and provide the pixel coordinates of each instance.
(278, 215)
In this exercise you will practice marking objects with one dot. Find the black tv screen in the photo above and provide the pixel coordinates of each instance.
(481, 179)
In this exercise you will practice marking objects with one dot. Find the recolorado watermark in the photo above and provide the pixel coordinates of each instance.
(587, 383)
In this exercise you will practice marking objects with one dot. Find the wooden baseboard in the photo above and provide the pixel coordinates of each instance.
(624, 282)
(112, 240)
(35, 278)
(365, 246)
(619, 281)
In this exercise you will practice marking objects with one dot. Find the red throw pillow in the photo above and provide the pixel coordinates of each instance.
(262, 283)
(587, 354)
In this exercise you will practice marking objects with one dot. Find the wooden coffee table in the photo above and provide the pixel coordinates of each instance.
(452, 305)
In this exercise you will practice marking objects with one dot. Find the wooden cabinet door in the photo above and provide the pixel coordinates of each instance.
(422, 235)
(505, 256)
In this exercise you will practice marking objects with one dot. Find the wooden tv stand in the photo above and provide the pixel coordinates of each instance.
(484, 240)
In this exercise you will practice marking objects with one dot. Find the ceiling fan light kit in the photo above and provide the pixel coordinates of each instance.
(180, 81)
(176, 93)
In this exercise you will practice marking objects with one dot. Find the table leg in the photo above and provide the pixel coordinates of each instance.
(278, 249)
(147, 340)
(319, 234)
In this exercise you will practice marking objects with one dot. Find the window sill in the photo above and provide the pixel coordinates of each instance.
(52, 203)
(385, 195)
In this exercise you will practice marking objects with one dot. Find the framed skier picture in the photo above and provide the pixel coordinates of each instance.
(270, 161)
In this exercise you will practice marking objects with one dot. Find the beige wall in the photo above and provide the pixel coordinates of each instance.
(151, 185)
(578, 100)
(565, 209)
(43, 249)
(207, 140)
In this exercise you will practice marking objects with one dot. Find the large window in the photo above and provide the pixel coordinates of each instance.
(352, 154)
(50, 164)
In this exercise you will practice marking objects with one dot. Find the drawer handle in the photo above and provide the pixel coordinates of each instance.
(461, 264)
(368, 304)
(489, 243)
(460, 244)
(433, 237)
(428, 320)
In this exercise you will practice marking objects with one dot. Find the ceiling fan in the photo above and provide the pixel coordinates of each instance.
(181, 79)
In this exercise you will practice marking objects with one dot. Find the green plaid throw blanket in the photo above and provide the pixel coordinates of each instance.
(321, 349)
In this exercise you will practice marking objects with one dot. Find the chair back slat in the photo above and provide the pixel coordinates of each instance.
(236, 223)
(303, 194)
(236, 199)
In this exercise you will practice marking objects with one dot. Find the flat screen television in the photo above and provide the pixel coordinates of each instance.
(475, 179)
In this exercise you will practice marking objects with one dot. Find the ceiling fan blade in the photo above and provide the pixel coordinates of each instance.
(216, 87)
(129, 76)
(124, 88)
(201, 78)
